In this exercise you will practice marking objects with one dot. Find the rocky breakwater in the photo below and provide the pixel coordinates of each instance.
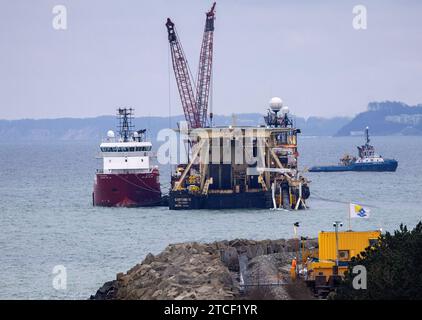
(192, 271)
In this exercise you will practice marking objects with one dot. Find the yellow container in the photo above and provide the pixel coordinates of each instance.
(350, 243)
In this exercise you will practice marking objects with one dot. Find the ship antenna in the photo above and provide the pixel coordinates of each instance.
(367, 135)
(125, 116)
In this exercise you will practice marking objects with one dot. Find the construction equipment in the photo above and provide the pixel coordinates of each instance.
(324, 271)
(195, 107)
(246, 167)
(228, 181)
(205, 67)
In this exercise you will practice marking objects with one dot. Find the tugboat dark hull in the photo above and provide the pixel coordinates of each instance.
(181, 200)
(389, 165)
(127, 190)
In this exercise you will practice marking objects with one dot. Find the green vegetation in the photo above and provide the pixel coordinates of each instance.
(394, 268)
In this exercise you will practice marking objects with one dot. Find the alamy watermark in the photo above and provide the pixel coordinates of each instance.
(360, 279)
(360, 18)
(217, 145)
(60, 277)
(59, 21)
(359, 21)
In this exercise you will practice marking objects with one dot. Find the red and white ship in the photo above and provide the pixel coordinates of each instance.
(128, 178)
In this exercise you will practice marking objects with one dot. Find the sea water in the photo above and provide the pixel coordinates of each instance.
(47, 218)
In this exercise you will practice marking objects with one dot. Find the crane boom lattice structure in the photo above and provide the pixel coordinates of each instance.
(195, 107)
(181, 72)
(205, 67)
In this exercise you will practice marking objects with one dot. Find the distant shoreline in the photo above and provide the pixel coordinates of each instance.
(96, 128)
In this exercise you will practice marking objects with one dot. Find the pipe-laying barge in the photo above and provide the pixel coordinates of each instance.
(236, 166)
(242, 167)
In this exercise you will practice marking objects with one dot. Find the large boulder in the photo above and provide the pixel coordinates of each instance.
(192, 270)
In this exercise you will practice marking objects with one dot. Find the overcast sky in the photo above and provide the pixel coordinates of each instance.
(115, 53)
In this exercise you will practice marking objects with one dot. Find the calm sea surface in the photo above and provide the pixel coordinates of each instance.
(47, 219)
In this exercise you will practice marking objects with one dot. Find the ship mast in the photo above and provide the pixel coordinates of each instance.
(125, 116)
(367, 135)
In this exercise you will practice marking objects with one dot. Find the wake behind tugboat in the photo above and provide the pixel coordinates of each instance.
(367, 160)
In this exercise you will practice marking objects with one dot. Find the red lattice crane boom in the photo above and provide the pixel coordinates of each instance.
(195, 107)
(181, 72)
(205, 67)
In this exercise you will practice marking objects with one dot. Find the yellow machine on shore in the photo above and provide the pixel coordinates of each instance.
(335, 250)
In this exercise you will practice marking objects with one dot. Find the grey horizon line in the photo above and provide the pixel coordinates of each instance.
(175, 116)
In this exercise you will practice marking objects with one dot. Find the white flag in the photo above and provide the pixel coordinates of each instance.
(357, 211)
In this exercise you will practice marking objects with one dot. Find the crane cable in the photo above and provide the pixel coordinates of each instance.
(137, 186)
(187, 63)
(318, 197)
(169, 66)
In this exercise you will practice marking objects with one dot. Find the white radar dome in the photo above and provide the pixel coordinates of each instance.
(135, 134)
(110, 134)
(276, 104)
(285, 110)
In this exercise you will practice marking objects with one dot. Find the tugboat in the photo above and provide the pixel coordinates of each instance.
(127, 179)
(367, 160)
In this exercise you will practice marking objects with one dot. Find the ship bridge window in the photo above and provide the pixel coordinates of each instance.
(125, 149)
(143, 148)
(282, 138)
(254, 148)
(286, 138)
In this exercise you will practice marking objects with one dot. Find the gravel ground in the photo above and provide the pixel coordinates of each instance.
(266, 276)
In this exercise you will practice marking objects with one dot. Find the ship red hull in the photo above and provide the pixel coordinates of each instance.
(127, 189)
